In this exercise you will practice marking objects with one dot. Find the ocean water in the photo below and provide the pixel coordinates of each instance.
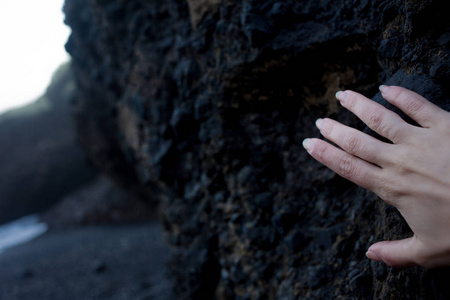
(21, 231)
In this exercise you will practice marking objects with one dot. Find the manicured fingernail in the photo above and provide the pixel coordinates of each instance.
(384, 89)
(319, 123)
(307, 144)
(371, 255)
(341, 96)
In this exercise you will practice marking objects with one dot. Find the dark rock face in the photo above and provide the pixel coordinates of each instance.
(39, 159)
(204, 107)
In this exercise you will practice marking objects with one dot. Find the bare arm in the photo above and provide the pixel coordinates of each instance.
(412, 173)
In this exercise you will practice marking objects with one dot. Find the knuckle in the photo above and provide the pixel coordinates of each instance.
(400, 161)
(414, 105)
(389, 194)
(377, 121)
(401, 166)
(384, 189)
(393, 134)
(376, 118)
(347, 167)
(391, 190)
(353, 144)
(411, 102)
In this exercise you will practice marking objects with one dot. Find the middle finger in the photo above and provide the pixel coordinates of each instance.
(378, 118)
(354, 141)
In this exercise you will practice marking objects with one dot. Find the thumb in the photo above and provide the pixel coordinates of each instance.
(397, 254)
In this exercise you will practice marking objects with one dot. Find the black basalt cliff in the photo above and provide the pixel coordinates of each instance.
(201, 106)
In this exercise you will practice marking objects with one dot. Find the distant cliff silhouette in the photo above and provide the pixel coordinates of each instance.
(39, 159)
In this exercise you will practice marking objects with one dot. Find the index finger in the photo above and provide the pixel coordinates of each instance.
(414, 105)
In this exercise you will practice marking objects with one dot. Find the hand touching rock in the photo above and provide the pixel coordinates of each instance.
(412, 173)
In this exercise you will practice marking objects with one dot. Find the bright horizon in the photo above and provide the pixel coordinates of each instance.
(32, 37)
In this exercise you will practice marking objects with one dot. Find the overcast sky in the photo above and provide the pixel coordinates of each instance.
(32, 38)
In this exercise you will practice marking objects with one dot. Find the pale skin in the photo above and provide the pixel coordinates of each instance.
(412, 173)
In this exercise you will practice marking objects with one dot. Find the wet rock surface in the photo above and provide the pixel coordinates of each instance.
(203, 110)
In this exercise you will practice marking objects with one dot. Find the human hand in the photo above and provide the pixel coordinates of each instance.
(412, 173)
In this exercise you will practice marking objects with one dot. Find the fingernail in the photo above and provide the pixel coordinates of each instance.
(319, 123)
(307, 144)
(384, 89)
(341, 96)
(371, 255)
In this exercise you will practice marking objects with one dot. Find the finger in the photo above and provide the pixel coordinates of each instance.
(415, 106)
(348, 166)
(378, 118)
(354, 141)
(397, 254)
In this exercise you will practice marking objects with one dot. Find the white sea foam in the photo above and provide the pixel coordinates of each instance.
(21, 231)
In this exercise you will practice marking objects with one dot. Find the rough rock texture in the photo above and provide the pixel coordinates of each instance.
(40, 161)
(204, 109)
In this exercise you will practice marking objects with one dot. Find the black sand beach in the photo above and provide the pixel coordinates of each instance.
(109, 262)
